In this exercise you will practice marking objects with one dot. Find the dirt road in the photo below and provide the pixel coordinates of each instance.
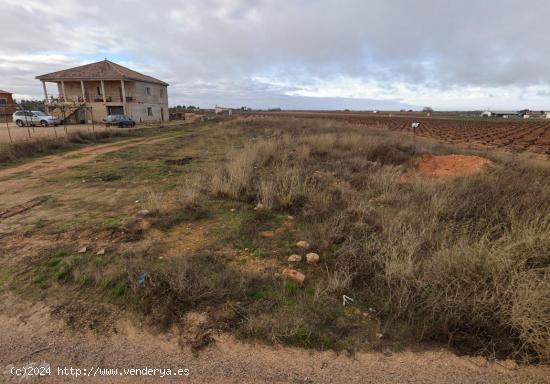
(30, 335)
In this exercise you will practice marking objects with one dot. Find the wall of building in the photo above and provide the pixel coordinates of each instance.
(8, 107)
(156, 98)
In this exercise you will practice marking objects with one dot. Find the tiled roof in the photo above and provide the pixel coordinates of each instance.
(102, 70)
(5, 92)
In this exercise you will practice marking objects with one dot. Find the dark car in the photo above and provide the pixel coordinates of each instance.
(119, 121)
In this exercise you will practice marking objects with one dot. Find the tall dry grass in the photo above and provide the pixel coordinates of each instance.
(465, 260)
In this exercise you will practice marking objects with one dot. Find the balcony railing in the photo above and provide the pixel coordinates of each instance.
(111, 99)
(98, 99)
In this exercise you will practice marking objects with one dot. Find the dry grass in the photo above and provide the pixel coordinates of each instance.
(45, 145)
(466, 260)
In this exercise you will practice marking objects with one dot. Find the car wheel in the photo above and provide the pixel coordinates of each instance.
(120, 125)
(44, 123)
(133, 123)
(19, 123)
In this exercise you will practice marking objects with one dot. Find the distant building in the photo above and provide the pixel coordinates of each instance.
(503, 114)
(223, 111)
(93, 91)
(7, 107)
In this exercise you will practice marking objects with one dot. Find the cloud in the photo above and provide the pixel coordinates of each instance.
(465, 54)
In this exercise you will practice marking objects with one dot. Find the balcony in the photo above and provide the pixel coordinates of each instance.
(111, 99)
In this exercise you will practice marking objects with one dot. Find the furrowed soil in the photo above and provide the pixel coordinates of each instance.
(469, 132)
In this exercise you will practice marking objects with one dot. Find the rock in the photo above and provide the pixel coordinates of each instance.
(232, 210)
(101, 251)
(82, 250)
(280, 231)
(145, 225)
(294, 258)
(302, 244)
(288, 224)
(143, 212)
(259, 207)
(267, 234)
(294, 275)
(312, 258)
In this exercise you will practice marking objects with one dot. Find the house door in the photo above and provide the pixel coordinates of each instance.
(162, 114)
(115, 110)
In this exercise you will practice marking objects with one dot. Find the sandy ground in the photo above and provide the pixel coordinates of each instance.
(30, 335)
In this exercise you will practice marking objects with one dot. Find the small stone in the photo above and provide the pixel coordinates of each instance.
(101, 251)
(143, 212)
(312, 258)
(302, 244)
(290, 217)
(379, 335)
(294, 258)
(232, 210)
(82, 250)
(137, 201)
(288, 224)
(258, 207)
(267, 234)
(280, 231)
(145, 225)
(294, 275)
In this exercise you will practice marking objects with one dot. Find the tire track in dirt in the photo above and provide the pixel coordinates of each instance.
(36, 170)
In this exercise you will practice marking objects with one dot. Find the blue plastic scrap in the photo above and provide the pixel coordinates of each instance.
(142, 277)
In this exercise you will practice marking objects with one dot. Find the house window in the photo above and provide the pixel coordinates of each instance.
(3, 103)
(149, 110)
(148, 91)
(99, 91)
(162, 93)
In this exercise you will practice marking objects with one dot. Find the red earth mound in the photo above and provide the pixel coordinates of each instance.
(450, 166)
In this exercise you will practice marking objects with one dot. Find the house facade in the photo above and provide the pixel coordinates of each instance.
(93, 91)
(7, 107)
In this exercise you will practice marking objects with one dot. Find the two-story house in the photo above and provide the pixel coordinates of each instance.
(93, 91)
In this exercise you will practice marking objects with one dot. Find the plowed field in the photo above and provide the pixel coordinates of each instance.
(514, 134)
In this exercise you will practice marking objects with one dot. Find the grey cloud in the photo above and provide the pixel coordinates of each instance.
(429, 43)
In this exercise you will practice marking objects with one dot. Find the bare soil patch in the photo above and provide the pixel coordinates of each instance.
(450, 166)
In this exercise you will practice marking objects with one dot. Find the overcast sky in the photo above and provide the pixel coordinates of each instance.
(463, 54)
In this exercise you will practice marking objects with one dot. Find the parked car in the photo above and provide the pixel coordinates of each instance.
(119, 121)
(32, 118)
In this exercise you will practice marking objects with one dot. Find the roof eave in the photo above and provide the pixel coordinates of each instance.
(57, 79)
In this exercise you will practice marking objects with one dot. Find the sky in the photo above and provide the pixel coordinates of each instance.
(294, 54)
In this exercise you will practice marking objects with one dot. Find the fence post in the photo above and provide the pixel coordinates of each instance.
(92, 116)
(64, 122)
(7, 124)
